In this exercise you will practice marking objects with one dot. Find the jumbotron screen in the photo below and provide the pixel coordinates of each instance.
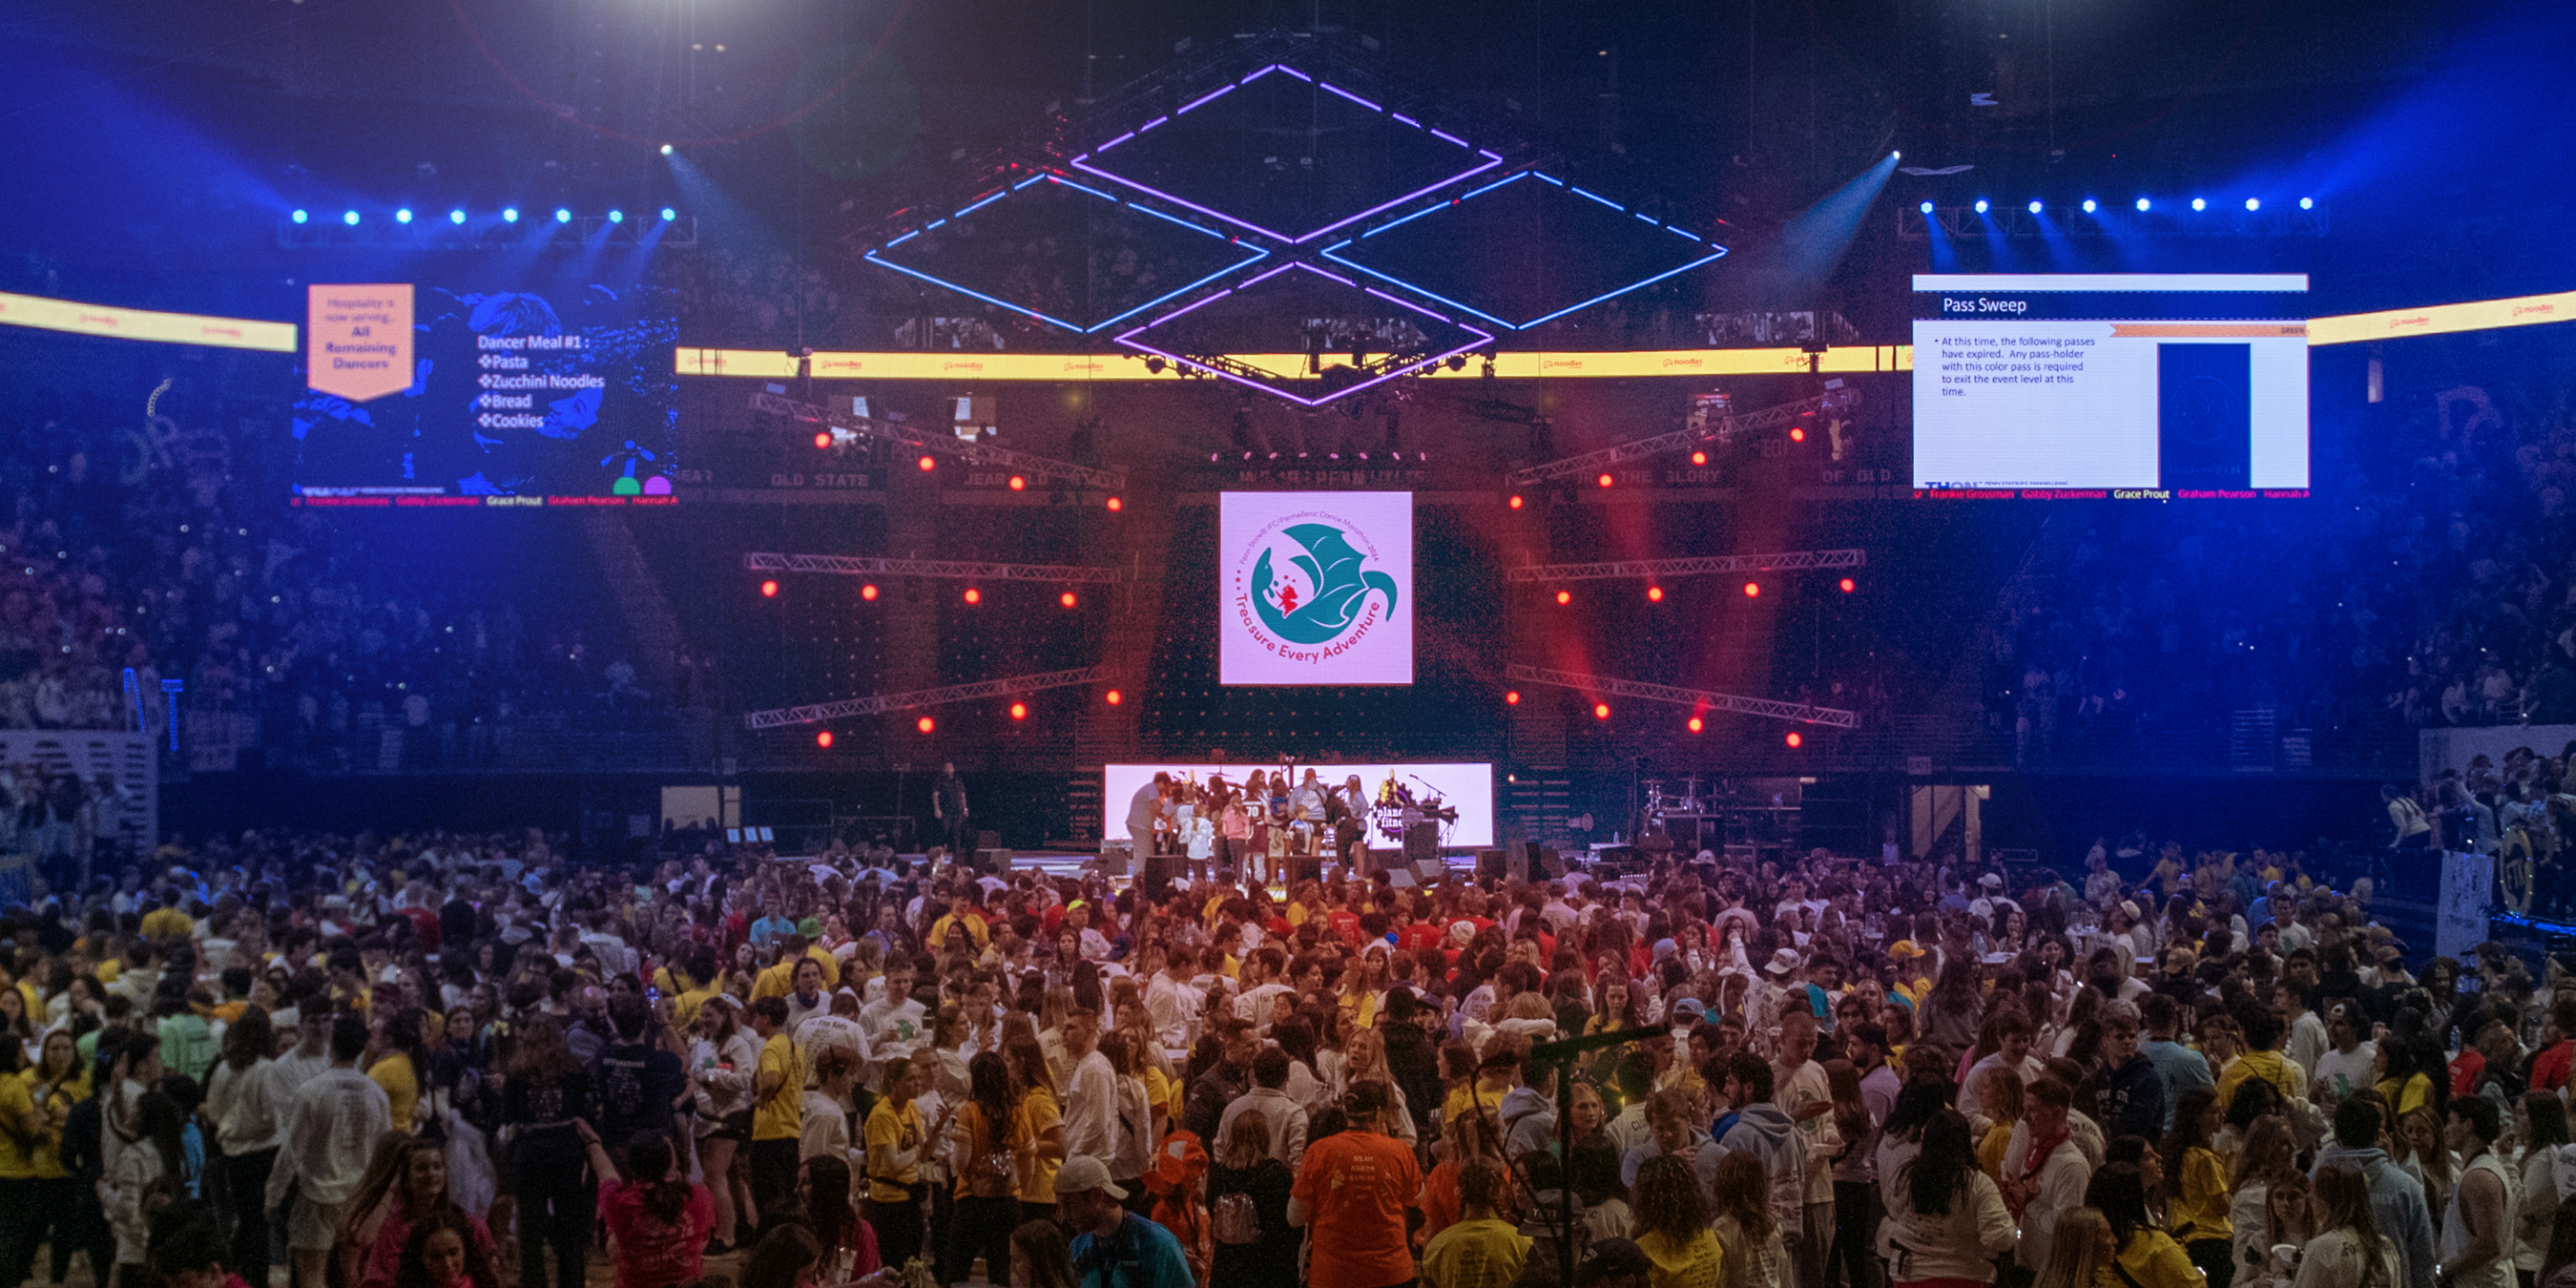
(501, 394)
(2147, 386)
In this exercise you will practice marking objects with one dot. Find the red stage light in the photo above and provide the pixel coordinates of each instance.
(1067, 599)
(1019, 711)
(1699, 458)
(928, 464)
(823, 739)
(823, 439)
(1849, 586)
(1019, 484)
(1695, 725)
(1516, 502)
(868, 592)
(1565, 597)
(769, 590)
(1797, 435)
(1512, 697)
(1114, 697)
(1794, 738)
(1604, 480)
(1753, 590)
(1115, 505)
(925, 724)
(974, 596)
(1600, 710)
(1655, 594)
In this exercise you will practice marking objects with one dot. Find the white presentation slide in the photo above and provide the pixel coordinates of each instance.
(2135, 385)
(1466, 788)
(1315, 588)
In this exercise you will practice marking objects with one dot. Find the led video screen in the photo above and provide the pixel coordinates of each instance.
(1315, 588)
(2154, 386)
(502, 394)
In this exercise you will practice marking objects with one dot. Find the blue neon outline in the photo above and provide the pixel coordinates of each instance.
(1406, 119)
(901, 240)
(1648, 218)
(1596, 197)
(1331, 88)
(981, 204)
(1152, 123)
(1549, 178)
(1686, 235)
(1331, 253)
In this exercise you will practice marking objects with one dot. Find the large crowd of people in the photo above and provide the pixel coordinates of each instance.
(439, 1060)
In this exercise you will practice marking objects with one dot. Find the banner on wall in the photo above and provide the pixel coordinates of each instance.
(2460, 922)
(1315, 588)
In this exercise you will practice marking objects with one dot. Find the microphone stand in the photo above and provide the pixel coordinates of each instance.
(1561, 1054)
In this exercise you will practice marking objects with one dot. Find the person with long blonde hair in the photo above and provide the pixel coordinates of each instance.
(2267, 1159)
(2079, 1251)
(1755, 1257)
(2349, 1251)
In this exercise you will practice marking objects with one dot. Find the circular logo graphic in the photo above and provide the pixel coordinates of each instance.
(1307, 585)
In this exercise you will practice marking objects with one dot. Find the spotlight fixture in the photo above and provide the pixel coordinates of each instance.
(1019, 711)
(1565, 597)
(509, 214)
(1113, 697)
(1153, 365)
(2035, 207)
(769, 590)
(1019, 484)
(823, 439)
(1699, 458)
(868, 592)
(299, 216)
(1600, 710)
(927, 464)
(1115, 505)
(669, 214)
(403, 216)
(1654, 594)
(1981, 205)
(666, 149)
(1696, 724)
(974, 596)
(824, 739)
(1926, 207)
(2307, 203)
(1794, 739)
(1753, 590)
(2253, 203)
(1515, 502)
(926, 724)
(1068, 599)
(617, 216)
(2144, 205)
(1457, 362)
(2088, 205)
(1797, 433)
(1511, 697)
(456, 216)
(562, 216)
(2199, 203)
(349, 217)
(1848, 585)
(1605, 480)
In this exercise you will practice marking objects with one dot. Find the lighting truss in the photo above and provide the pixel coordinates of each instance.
(880, 704)
(1696, 699)
(1724, 431)
(946, 569)
(486, 233)
(2169, 217)
(1700, 565)
(939, 444)
(1366, 376)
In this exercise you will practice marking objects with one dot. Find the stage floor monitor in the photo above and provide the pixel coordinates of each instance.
(1467, 787)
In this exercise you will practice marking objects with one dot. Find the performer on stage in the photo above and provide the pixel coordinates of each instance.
(1145, 813)
(1348, 812)
(948, 805)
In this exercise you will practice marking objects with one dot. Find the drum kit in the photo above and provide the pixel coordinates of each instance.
(1660, 807)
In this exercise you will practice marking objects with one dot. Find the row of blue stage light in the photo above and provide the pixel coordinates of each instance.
(509, 215)
(2144, 204)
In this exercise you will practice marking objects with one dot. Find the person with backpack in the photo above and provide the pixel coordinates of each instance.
(150, 1176)
(545, 1099)
(989, 1139)
(639, 1083)
(1248, 1210)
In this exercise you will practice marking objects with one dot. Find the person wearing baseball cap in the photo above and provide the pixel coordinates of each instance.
(1113, 1247)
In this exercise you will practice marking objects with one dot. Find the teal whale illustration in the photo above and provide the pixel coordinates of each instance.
(1340, 587)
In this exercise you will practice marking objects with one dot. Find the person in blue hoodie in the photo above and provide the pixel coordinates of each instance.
(1763, 1129)
(2396, 1200)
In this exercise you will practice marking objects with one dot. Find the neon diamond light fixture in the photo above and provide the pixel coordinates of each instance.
(963, 251)
(1329, 294)
(1333, 157)
(1524, 250)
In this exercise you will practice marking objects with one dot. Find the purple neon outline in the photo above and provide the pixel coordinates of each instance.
(1205, 99)
(1330, 252)
(1083, 161)
(1483, 337)
(1258, 254)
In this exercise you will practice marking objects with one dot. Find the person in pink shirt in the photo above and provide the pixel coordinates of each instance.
(660, 1225)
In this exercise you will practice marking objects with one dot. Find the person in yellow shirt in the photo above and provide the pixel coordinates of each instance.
(1480, 1250)
(401, 1037)
(1673, 1226)
(778, 1107)
(2196, 1209)
(1040, 1123)
(166, 922)
(961, 915)
(780, 980)
(701, 981)
(897, 1144)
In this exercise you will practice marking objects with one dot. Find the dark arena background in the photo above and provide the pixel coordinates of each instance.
(1913, 430)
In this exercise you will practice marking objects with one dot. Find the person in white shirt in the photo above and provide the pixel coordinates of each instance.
(1172, 1002)
(2052, 1184)
(330, 1136)
(2014, 1031)
(2348, 1063)
(249, 1126)
(895, 1023)
(839, 1030)
(1091, 1092)
(1269, 1098)
(826, 1128)
(2307, 1033)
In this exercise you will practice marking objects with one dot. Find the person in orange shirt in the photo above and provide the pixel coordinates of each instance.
(1353, 1189)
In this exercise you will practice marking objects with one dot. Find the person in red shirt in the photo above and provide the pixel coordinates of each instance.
(1352, 1193)
(2557, 1046)
(659, 1227)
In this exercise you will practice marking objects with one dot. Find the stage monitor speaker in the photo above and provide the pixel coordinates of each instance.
(1489, 863)
(1400, 878)
(1551, 862)
(988, 840)
(994, 860)
(1422, 843)
(1429, 871)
